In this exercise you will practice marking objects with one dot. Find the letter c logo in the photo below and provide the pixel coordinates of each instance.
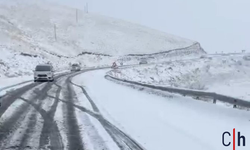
(223, 139)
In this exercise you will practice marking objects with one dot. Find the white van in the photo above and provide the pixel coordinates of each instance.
(44, 73)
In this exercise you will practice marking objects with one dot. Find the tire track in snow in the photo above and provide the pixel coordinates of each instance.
(90, 136)
(9, 126)
(6, 101)
(73, 131)
(13, 123)
(50, 136)
(16, 139)
(37, 101)
(123, 141)
(50, 129)
(32, 122)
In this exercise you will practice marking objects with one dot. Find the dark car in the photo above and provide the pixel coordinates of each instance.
(143, 62)
(75, 67)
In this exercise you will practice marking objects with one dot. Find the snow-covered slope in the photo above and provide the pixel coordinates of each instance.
(33, 21)
(228, 75)
(38, 31)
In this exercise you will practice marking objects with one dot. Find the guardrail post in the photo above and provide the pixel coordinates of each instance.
(214, 101)
(235, 101)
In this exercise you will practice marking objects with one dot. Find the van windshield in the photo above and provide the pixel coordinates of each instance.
(43, 68)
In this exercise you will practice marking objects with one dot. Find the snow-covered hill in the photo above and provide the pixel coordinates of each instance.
(38, 31)
(33, 21)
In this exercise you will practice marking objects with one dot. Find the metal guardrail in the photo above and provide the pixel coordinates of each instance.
(214, 96)
(7, 87)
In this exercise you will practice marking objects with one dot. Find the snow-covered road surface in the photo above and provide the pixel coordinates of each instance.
(160, 123)
(87, 112)
(53, 116)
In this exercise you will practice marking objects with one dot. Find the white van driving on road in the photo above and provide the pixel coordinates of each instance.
(44, 73)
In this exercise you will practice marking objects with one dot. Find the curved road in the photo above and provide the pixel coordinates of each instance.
(27, 119)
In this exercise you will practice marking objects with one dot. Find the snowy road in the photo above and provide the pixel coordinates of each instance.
(50, 116)
(87, 112)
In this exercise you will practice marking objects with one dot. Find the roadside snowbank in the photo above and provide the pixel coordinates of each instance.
(228, 75)
(160, 123)
(5, 82)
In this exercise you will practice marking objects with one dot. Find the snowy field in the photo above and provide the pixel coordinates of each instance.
(161, 123)
(227, 75)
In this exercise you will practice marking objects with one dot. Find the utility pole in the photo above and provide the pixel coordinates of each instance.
(76, 16)
(55, 32)
(87, 8)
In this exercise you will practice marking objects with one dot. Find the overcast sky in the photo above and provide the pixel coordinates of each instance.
(219, 25)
